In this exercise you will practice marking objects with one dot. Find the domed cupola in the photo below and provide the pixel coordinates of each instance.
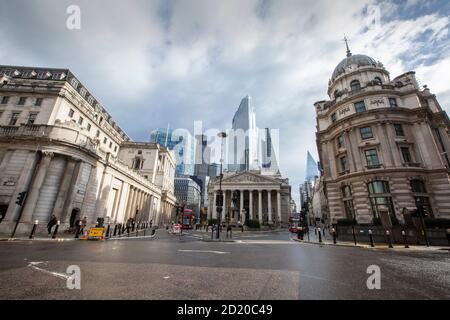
(359, 60)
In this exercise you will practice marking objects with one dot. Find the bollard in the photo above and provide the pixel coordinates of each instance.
(320, 235)
(36, 222)
(388, 233)
(78, 230)
(108, 230)
(115, 230)
(212, 233)
(55, 232)
(307, 231)
(405, 240)
(354, 234)
(333, 231)
(371, 239)
(145, 231)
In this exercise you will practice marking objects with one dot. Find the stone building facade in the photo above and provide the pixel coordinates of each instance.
(383, 145)
(62, 147)
(260, 197)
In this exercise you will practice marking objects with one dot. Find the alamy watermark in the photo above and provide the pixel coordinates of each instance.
(374, 280)
(74, 279)
(73, 21)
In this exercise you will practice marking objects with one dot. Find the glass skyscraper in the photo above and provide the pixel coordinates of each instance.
(182, 143)
(312, 170)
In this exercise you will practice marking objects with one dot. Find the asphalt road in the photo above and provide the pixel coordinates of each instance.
(258, 266)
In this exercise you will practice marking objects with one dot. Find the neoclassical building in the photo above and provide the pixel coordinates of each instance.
(62, 147)
(383, 143)
(251, 195)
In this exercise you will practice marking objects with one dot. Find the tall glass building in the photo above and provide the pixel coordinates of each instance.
(183, 145)
(312, 170)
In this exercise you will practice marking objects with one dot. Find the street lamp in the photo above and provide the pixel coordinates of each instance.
(221, 135)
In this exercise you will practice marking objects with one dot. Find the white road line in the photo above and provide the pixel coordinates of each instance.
(56, 274)
(204, 251)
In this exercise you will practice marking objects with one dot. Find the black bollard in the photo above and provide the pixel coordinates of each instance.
(34, 229)
(371, 239)
(388, 234)
(334, 235)
(320, 235)
(405, 240)
(115, 230)
(55, 232)
(108, 230)
(77, 231)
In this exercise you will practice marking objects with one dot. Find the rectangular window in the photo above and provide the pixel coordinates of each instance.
(366, 133)
(32, 118)
(5, 100)
(110, 145)
(406, 154)
(14, 118)
(38, 102)
(360, 106)
(343, 161)
(333, 117)
(88, 127)
(80, 121)
(22, 101)
(372, 157)
(115, 148)
(105, 140)
(97, 134)
(340, 141)
(393, 102)
(399, 130)
(71, 112)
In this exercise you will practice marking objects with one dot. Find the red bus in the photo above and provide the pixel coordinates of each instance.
(188, 219)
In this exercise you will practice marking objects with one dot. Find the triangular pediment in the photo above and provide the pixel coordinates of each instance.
(248, 177)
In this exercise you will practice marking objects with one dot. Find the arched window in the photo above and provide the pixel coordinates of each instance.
(378, 80)
(336, 93)
(355, 85)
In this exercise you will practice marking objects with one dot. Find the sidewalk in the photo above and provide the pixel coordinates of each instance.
(327, 240)
(59, 238)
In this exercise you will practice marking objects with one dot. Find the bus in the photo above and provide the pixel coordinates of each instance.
(187, 219)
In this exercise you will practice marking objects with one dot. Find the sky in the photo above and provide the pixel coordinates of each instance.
(151, 63)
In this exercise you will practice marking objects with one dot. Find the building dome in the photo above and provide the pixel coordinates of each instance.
(358, 59)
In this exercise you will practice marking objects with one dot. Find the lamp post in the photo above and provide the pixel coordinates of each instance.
(221, 135)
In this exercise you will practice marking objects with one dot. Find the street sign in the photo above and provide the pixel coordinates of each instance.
(177, 228)
(96, 232)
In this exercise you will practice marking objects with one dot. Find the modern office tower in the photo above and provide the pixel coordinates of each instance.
(311, 168)
(181, 142)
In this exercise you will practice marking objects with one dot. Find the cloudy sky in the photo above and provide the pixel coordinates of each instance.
(177, 61)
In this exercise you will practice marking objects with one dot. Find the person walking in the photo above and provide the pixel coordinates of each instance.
(53, 221)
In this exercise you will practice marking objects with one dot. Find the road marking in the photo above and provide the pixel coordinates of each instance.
(265, 242)
(204, 251)
(56, 274)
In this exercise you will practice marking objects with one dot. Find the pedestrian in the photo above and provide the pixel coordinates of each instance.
(229, 230)
(51, 223)
(151, 223)
(83, 222)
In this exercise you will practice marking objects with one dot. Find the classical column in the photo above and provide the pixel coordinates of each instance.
(279, 205)
(241, 205)
(250, 204)
(33, 194)
(224, 209)
(130, 205)
(260, 206)
(214, 213)
(64, 189)
(269, 205)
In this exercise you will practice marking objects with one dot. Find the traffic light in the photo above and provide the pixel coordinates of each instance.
(21, 198)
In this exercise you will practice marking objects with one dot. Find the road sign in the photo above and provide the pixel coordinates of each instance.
(177, 228)
(96, 232)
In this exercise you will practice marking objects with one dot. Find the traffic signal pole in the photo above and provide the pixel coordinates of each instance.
(21, 198)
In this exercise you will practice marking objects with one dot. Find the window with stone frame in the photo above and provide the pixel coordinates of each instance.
(406, 155)
(32, 118)
(38, 102)
(366, 133)
(393, 102)
(380, 198)
(347, 198)
(355, 86)
(71, 113)
(5, 100)
(22, 101)
(340, 141)
(88, 127)
(372, 159)
(343, 164)
(399, 132)
(360, 106)
(14, 117)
